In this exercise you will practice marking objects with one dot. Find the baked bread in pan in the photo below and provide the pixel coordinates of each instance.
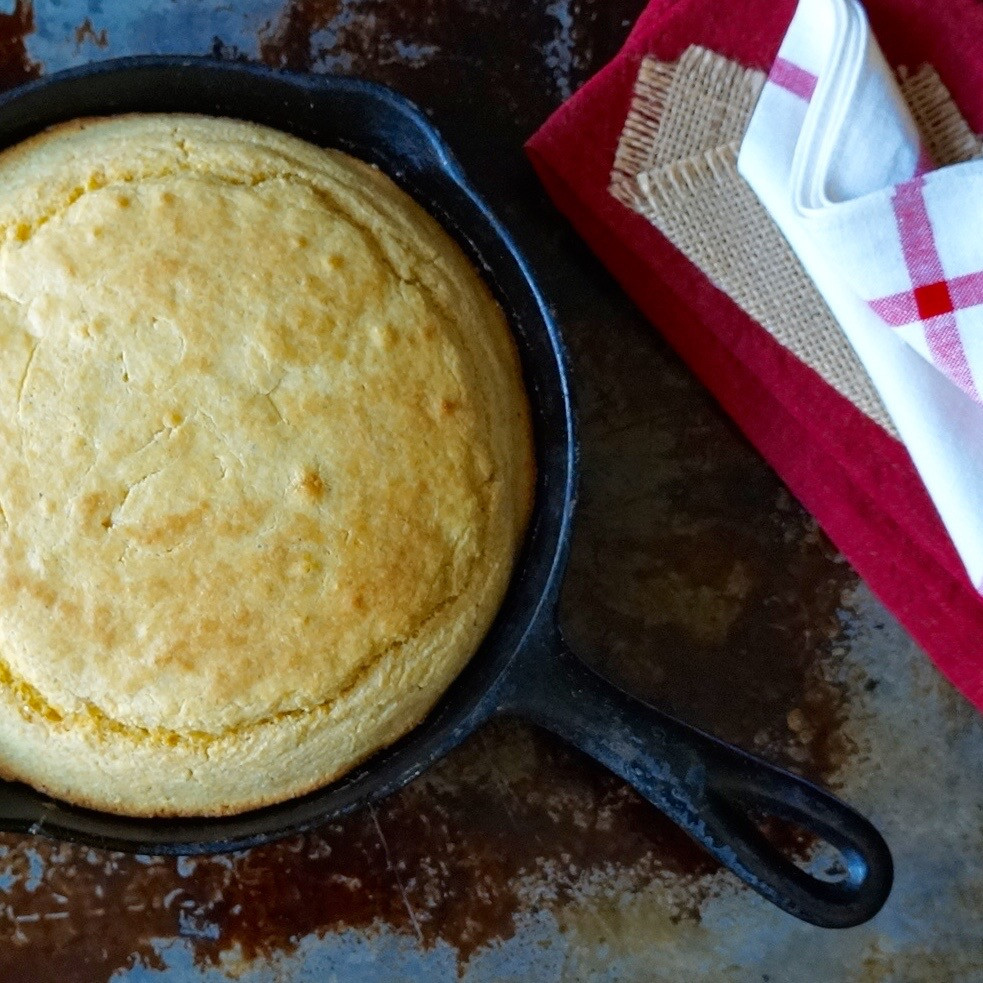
(265, 463)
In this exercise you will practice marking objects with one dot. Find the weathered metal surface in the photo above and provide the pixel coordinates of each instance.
(694, 579)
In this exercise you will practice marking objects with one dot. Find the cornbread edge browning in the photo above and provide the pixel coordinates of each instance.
(265, 463)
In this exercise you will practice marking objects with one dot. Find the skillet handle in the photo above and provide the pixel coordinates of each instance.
(709, 788)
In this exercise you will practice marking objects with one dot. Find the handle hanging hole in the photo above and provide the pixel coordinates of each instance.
(809, 852)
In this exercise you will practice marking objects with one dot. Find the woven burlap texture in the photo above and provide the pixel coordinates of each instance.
(676, 165)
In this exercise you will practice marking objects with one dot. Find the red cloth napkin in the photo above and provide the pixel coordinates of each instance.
(850, 473)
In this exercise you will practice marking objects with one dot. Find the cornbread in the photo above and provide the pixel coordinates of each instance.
(265, 463)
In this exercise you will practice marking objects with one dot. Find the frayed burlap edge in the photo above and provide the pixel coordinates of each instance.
(948, 136)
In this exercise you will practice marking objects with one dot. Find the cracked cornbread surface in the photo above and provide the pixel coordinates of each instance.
(265, 463)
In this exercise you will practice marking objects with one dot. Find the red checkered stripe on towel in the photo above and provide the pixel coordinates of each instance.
(933, 298)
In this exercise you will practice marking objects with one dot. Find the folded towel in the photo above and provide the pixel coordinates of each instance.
(892, 243)
(817, 420)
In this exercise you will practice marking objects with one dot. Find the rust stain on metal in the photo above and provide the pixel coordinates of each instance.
(286, 43)
(16, 65)
(447, 859)
(484, 44)
(359, 36)
(86, 32)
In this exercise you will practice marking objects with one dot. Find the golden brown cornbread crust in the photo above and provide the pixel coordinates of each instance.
(265, 463)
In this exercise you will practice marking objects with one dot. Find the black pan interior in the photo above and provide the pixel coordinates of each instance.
(379, 126)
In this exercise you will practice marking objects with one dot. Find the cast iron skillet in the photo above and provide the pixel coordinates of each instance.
(709, 788)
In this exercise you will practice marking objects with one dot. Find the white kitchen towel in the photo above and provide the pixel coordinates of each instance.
(894, 245)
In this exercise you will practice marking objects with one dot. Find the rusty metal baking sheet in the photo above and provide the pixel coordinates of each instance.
(695, 580)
